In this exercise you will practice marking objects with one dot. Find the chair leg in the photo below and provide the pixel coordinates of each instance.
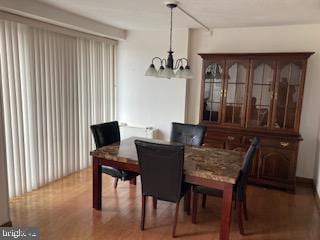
(245, 211)
(115, 183)
(239, 215)
(194, 207)
(133, 181)
(143, 212)
(175, 220)
(187, 202)
(204, 200)
(154, 203)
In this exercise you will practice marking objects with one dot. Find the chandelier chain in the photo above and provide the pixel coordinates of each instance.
(171, 30)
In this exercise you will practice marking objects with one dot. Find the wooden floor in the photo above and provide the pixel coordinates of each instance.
(63, 210)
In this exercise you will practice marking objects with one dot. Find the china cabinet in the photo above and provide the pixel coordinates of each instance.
(256, 94)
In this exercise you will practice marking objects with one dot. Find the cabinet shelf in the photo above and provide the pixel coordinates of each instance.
(262, 84)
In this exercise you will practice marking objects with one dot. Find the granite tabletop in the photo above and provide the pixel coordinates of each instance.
(208, 163)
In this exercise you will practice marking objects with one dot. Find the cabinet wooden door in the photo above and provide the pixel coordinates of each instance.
(288, 95)
(260, 94)
(235, 91)
(277, 164)
(212, 91)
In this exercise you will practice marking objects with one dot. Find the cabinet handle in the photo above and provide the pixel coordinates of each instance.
(230, 138)
(284, 144)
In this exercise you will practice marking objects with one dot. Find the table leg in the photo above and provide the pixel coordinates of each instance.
(96, 184)
(226, 212)
(133, 181)
(187, 202)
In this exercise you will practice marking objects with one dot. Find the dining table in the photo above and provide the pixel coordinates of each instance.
(205, 166)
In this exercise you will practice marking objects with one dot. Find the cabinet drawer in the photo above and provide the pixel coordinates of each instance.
(237, 147)
(282, 144)
(233, 139)
(223, 141)
(247, 140)
(211, 134)
(214, 143)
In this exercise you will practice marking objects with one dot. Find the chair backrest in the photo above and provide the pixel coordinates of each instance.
(187, 134)
(245, 169)
(106, 133)
(161, 169)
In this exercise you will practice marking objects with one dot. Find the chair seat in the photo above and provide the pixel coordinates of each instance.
(124, 175)
(210, 191)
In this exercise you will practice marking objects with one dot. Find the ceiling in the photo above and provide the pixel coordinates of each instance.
(152, 14)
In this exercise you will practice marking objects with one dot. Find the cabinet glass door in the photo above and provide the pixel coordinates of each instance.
(213, 88)
(287, 93)
(236, 79)
(261, 95)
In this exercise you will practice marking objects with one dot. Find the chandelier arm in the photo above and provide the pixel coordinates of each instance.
(178, 63)
(185, 60)
(165, 62)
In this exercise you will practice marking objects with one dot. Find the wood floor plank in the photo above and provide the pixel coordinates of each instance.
(63, 210)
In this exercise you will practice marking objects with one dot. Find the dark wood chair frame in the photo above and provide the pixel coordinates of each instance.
(240, 205)
(183, 189)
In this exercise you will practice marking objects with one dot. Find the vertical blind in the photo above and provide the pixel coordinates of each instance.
(54, 86)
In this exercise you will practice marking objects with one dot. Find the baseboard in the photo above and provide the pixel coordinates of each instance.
(308, 181)
(7, 224)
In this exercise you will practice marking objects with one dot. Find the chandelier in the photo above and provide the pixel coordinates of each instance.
(169, 66)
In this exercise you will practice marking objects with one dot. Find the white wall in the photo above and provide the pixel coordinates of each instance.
(4, 196)
(147, 101)
(266, 39)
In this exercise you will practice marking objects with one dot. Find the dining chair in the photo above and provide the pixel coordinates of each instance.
(187, 133)
(105, 134)
(161, 169)
(239, 190)
(191, 135)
